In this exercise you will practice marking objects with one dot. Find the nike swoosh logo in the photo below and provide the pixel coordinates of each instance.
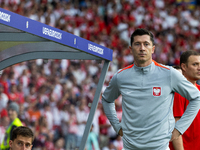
(129, 92)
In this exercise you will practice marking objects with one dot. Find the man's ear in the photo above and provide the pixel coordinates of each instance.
(130, 48)
(153, 49)
(183, 66)
(10, 144)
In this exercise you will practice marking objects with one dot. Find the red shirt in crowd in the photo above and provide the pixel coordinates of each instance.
(5, 85)
(191, 136)
(13, 97)
(103, 123)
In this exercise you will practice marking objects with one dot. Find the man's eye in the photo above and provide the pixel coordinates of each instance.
(20, 143)
(146, 44)
(28, 145)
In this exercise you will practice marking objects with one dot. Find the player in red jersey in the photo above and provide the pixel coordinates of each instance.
(190, 66)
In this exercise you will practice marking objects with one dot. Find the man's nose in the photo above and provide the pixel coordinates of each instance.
(142, 47)
(23, 147)
(198, 67)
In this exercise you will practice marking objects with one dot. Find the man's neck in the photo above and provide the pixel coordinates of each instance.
(192, 81)
(143, 64)
(11, 120)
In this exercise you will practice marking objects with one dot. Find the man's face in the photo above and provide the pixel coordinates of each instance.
(191, 70)
(12, 114)
(21, 143)
(142, 49)
(4, 121)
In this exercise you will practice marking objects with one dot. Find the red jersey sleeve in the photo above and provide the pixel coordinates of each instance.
(198, 86)
(180, 104)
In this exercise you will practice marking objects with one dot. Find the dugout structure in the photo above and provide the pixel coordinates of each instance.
(23, 39)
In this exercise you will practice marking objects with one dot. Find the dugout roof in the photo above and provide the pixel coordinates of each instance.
(23, 39)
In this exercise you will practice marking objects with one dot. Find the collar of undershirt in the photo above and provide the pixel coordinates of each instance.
(145, 69)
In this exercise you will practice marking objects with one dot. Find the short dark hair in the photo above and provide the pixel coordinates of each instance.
(185, 55)
(23, 131)
(141, 31)
(176, 67)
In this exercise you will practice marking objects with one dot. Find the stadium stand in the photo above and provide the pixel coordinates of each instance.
(55, 95)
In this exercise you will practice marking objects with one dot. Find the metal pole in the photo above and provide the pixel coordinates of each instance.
(94, 104)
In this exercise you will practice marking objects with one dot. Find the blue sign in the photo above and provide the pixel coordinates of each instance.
(42, 30)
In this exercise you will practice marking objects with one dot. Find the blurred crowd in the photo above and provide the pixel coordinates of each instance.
(55, 96)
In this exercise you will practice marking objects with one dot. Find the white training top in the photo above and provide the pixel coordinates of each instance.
(147, 101)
